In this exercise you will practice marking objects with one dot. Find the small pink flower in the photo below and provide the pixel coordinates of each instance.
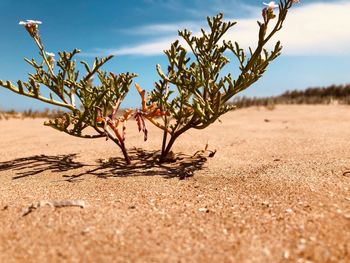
(267, 12)
(51, 58)
(272, 5)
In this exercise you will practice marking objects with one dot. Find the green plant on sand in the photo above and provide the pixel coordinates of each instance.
(190, 95)
(97, 105)
(201, 91)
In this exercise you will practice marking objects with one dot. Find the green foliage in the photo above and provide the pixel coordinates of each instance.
(191, 94)
(95, 102)
(65, 87)
(202, 92)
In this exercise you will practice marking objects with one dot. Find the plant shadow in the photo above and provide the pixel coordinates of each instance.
(37, 164)
(145, 163)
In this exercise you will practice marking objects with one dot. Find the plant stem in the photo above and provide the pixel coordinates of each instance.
(165, 134)
(15, 89)
(125, 154)
(167, 149)
(170, 144)
(42, 51)
(121, 145)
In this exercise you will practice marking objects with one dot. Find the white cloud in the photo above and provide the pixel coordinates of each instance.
(314, 29)
(310, 29)
(162, 29)
(146, 49)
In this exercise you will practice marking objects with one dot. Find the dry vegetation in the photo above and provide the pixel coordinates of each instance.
(335, 94)
(31, 114)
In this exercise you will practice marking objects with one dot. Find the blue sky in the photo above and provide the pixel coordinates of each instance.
(316, 39)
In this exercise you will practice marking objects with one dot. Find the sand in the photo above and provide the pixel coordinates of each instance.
(276, 191)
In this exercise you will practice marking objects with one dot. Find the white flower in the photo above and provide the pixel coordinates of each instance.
(271, 5)
(34, 22)
(30, 22)
(31, 26)
(50, 54)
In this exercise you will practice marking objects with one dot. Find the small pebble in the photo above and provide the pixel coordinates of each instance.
(289, 210)
(266, 203)
(85, 231)
(203, 209)
(312, 238)
(346, 174)
(302, 245)
(267, 251)
(347, 216)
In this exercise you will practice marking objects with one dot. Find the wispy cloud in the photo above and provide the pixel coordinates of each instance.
(201, 8)
(143, 49)
(162, 29)
(314, 29)
(310, 29)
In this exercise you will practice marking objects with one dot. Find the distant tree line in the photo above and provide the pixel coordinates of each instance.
(334, 94)
(46, 113)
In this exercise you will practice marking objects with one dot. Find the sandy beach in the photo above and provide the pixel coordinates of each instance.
(276, 191)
